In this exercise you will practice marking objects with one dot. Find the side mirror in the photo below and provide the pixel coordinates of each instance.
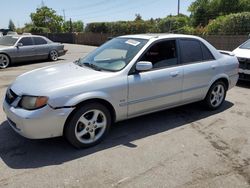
(144, 66)
(19, 44)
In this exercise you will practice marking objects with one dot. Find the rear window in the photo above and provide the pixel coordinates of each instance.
(39, 41)
(207, 55)
(190, 51)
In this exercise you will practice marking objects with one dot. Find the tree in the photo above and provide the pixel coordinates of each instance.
(202, 11)
(47, 18)
(12, 26)
(173, 23)
(138, 17)
(77, 26)
(232, 24)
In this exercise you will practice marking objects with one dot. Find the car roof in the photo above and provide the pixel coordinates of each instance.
(159, 36)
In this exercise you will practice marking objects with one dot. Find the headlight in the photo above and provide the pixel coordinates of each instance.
(32, 103)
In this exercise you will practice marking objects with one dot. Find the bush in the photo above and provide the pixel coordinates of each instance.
(232, 24)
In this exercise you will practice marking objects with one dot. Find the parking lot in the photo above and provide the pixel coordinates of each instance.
(182, 147)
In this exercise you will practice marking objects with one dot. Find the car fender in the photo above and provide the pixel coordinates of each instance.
(217, 77)
(87, 96)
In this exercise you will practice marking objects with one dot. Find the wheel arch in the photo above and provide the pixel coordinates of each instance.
(104, 102)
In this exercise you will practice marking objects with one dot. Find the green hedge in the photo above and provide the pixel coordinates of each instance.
(232, 24)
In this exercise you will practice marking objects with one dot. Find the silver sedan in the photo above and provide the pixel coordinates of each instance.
(20, 48)
(126, 77)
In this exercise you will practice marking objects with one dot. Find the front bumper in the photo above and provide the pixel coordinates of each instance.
(37, 124)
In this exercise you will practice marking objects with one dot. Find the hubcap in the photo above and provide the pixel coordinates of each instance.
(217, 95)
(91, 126)
(53, 55)
(4, 61)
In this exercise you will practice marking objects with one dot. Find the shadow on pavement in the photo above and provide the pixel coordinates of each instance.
(20, 153)
(244, 84)
(34, 62)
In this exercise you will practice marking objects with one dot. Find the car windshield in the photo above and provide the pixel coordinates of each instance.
(8, 40)
(113, 55)
(246, 45)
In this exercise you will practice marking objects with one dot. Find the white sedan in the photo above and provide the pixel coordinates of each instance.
(243, 54)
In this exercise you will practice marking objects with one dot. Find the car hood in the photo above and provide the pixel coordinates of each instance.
(57, 78)
(4, 47)
(244, 53)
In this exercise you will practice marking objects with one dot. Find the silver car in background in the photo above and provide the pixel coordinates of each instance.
(20, 48)
(126, 77)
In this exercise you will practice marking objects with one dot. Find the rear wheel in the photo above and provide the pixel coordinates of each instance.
(4, 61)
(216, 95)
(53, 55)
(88, 126)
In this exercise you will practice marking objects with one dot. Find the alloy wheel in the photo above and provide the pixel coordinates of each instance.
(53, 55)
(4, 61)
(90, 126)
(217, 95)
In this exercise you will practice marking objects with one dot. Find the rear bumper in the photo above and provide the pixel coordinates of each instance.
(62, 52)
(37, 124)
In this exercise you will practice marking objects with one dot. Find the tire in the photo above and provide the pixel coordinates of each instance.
(216, 95)
(4, 61)
(88, 125)
(53, 55)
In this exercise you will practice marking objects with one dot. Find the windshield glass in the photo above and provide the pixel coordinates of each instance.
(113, 55)
(246, 45)
(8, 40)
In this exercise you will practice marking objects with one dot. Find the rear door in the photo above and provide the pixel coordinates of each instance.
(199, 67)
(41, 47)
(26, 52)
(160, 87)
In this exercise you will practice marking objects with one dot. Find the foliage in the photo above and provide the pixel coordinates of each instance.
(70, 26)
(12, 26)
(173, 23)
(203, 11)
(231, 24)
(45, 17)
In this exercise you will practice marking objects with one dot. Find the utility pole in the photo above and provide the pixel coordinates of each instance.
(64, 15)
(178, 9)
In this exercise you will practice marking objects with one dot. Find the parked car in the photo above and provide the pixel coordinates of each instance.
(20, 48)
(11, 33)
(243, 54)
(126, 77)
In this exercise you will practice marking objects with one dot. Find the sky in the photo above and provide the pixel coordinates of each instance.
(91, 11)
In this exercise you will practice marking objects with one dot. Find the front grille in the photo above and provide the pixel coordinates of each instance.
(10, 96)
(244, 63)
(244, 76)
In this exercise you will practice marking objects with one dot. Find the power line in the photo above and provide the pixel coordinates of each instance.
(109, 10)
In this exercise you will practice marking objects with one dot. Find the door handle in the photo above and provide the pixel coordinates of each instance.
(213, 66)
(174, 74)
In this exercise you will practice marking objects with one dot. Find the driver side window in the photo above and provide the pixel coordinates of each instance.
(162, 54)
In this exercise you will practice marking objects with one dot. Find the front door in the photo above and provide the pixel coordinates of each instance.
(160, 87)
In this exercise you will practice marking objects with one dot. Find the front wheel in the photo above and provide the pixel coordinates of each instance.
(53, 55)
(88, 126)
(216, 95)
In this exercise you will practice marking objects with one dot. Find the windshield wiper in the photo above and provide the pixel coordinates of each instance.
(95, 67)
